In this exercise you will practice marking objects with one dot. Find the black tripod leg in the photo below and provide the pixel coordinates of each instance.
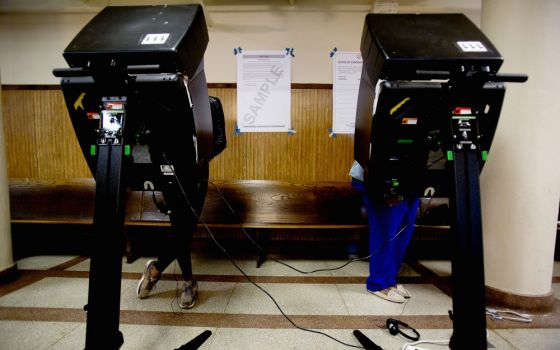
(367, 343)
(102, 329)
(469, 318)
(197, 341)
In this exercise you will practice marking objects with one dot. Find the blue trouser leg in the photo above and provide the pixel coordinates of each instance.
(407, 211)
(387, 243)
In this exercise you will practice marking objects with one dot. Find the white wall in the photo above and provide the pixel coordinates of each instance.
(31, 45)
(521, 182)
(32, 41)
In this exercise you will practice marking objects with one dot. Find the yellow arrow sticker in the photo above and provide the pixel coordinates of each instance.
(78, 103)
(398, 105)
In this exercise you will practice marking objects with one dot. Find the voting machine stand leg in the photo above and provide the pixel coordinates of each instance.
(469, 317)
(102, 329)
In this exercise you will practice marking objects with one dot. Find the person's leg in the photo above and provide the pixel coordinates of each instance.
(183, 224)
(384, 222)
(175, 183)
(172, 148)
(167, 249)
(175, 240)
(188, 222)
(402, 235)
(166, 253)
(185, 212)
(175, 243)
(409, 219)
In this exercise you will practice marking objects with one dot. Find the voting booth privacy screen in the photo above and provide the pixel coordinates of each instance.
(152, 56)
(428, 105)
(408, 135)
(421, 62)
(137, 96)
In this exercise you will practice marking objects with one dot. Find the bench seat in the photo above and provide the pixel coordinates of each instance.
(257, 204)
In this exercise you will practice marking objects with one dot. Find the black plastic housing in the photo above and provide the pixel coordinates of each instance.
(397, 46)
(117, 37)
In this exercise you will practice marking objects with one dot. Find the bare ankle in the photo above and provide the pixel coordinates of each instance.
(154, 273)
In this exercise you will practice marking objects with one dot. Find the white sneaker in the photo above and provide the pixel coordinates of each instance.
(188, 297)
(389, 294)
(402, 291)
(147, 283)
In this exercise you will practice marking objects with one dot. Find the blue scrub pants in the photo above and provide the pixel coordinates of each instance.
(386, 244)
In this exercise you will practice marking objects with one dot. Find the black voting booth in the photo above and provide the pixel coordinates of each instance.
(137, 96)
(434, 82)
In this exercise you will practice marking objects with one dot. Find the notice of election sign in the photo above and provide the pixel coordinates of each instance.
(347, 69)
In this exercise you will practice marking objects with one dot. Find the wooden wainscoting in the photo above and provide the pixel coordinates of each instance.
(40, 141)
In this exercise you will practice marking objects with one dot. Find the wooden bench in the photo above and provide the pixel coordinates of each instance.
(258, 205)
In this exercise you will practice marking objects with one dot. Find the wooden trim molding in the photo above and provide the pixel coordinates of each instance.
(312, 86)
(309, 86)
(532, 304)
(30, 87)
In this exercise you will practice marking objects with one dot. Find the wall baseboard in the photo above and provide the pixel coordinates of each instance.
(8, 274)
(532, 304)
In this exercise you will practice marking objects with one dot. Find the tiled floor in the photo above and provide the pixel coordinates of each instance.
(43, 308)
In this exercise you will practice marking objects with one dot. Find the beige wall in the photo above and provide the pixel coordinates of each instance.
(33, 35)
(521, 182)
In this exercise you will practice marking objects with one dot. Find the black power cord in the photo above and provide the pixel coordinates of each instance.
(263, 251)
(243, 272)
(278, 261)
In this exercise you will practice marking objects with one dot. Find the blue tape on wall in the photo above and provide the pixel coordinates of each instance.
(236, 131)
(291, 132)
(237, 50)
(333, 52)
(332, 134)
(290, 51)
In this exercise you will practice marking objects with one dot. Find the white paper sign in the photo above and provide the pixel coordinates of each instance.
(263, 91)
(347, 69)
